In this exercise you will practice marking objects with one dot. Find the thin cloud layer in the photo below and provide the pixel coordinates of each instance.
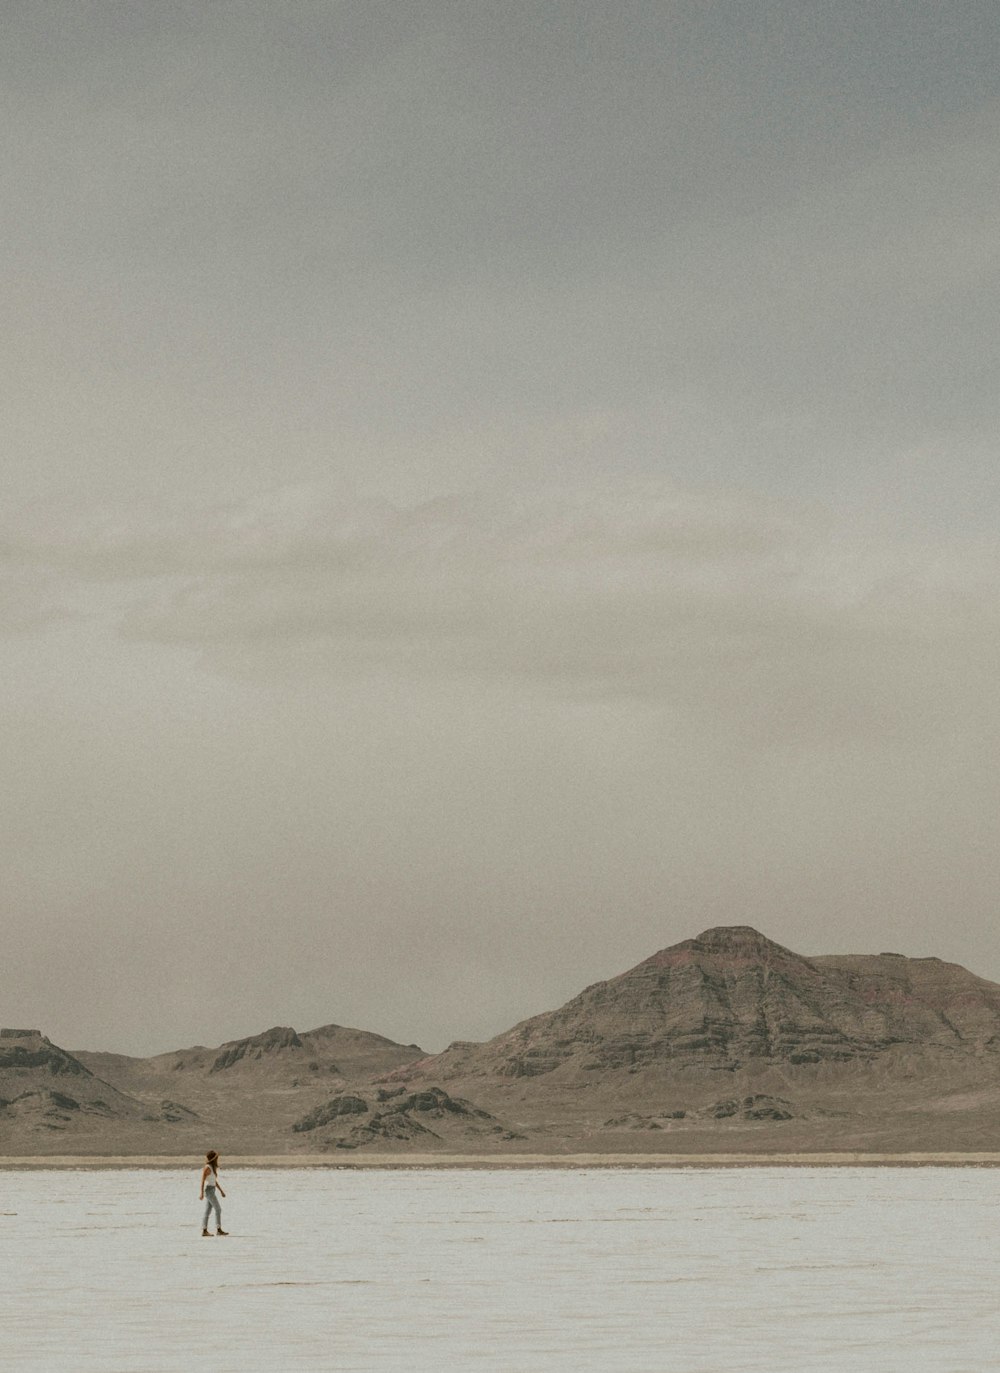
(707, 602)
(428, 247)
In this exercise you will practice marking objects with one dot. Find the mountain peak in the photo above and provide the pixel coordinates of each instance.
(273, 1041)
(734, 937)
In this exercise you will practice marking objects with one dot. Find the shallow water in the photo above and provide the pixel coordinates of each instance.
(691, 1271)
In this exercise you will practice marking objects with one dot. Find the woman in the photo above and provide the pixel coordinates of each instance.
(210, 1184)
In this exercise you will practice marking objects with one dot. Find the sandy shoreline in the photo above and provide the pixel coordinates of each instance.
(517, 1161)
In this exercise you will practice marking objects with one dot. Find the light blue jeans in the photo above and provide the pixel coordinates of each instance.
(212, 1201)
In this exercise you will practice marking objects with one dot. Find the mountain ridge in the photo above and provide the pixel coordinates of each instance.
(727, 1039)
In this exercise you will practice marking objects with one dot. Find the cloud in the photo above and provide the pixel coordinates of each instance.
(31, 598)
(418, 244)
(725, 608)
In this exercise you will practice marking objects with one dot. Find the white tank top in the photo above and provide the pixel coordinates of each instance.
(212, 1180)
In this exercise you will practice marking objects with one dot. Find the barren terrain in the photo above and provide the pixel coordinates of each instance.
(723, 1045)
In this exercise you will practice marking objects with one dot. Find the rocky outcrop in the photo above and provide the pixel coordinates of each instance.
(386, 1127)
(633, 1120)
(393, 1116)
(174, 1113)
(274, 1041)
(331, 1110)
(918, 1000)
(29, 1049)
(759, 1106)
(38, 1111)
(31, 1103)
(437, 1104)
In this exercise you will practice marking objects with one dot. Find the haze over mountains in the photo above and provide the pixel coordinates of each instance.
(723, 1042)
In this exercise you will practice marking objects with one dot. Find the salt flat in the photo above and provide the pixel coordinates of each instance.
(695, 1271)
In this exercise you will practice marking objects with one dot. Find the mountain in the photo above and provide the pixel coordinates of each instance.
(844, 1051)
(249, 1092)
(278, 1055)
(727, 1042)
(48, 1095)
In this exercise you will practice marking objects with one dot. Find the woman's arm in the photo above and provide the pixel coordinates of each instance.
(201, 1190)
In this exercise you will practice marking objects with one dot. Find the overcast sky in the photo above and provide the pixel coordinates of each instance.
(490, 489)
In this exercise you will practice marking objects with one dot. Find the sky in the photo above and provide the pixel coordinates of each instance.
(490, 491)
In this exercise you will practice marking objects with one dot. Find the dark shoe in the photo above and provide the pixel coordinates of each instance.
(222, 1232)
(206, 1234)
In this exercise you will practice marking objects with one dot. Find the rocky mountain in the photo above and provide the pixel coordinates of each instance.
(725, 1042)
(249, 1092)
(732, 998)
(280, 1054)
(47, 1094)
(854, 1049)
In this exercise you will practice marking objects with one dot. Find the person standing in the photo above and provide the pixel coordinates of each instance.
(210, 1185)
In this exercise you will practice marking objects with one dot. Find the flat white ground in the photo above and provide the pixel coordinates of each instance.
(689, 1271)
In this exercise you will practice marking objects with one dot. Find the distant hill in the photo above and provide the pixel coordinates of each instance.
(249, 1092)
(280, 1054)
(732, 998)
(47, 1094)
(724, 1042)
(842, 1051)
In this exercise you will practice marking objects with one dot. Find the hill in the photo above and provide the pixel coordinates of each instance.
(727, 1042)
(249, 1092)
(48, 1096)
(719, 1040)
